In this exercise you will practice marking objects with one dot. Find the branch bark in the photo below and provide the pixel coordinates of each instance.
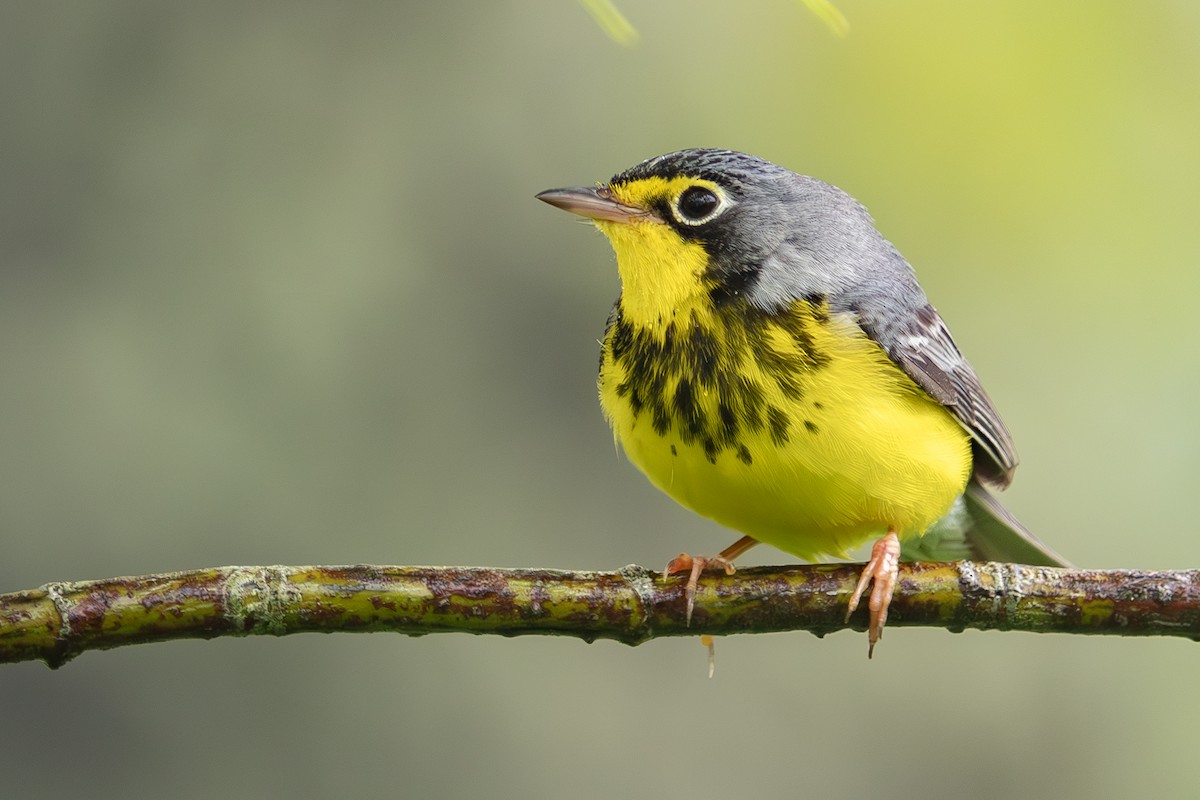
(61, 620)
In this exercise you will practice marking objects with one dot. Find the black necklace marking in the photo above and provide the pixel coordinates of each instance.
(665, 376)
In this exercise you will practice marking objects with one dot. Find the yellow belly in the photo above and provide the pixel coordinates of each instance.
(803, 434)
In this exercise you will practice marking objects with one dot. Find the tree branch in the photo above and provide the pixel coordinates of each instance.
(632, 605)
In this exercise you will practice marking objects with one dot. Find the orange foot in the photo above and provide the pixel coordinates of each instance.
(694, 565)
(884, 568)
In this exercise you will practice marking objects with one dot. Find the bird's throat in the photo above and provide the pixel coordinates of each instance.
(661, 273)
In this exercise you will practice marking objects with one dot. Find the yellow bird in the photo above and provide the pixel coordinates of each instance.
(773, 364)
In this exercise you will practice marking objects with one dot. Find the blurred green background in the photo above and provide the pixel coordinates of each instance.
(274, 289)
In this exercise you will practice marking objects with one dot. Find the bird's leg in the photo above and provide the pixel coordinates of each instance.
(884, 568)
(694, 565)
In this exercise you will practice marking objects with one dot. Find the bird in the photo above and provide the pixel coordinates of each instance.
(772, 363)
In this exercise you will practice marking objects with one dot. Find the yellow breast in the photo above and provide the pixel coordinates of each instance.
(794, 428)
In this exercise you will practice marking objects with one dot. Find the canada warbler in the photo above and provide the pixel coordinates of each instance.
(773, 364)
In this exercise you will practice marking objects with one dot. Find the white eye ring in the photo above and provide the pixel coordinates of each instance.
(698, 204)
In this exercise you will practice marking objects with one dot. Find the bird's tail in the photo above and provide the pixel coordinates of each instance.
(979, 527)
(996, 535)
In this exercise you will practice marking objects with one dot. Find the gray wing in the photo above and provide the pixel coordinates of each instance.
(920, 343)
(833, 250)
(922, 346)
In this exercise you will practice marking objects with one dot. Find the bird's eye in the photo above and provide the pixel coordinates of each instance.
(697, 204)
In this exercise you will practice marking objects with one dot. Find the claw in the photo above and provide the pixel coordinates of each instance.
(694, 566)
(883, 569)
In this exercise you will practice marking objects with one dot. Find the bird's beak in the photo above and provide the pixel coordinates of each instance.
(593, 203)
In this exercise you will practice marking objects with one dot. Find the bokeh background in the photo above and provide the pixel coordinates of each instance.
(274, 289)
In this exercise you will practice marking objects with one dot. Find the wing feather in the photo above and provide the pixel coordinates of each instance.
(923, 348)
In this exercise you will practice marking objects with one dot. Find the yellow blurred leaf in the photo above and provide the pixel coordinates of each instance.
(827, 12)
(612, 21)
